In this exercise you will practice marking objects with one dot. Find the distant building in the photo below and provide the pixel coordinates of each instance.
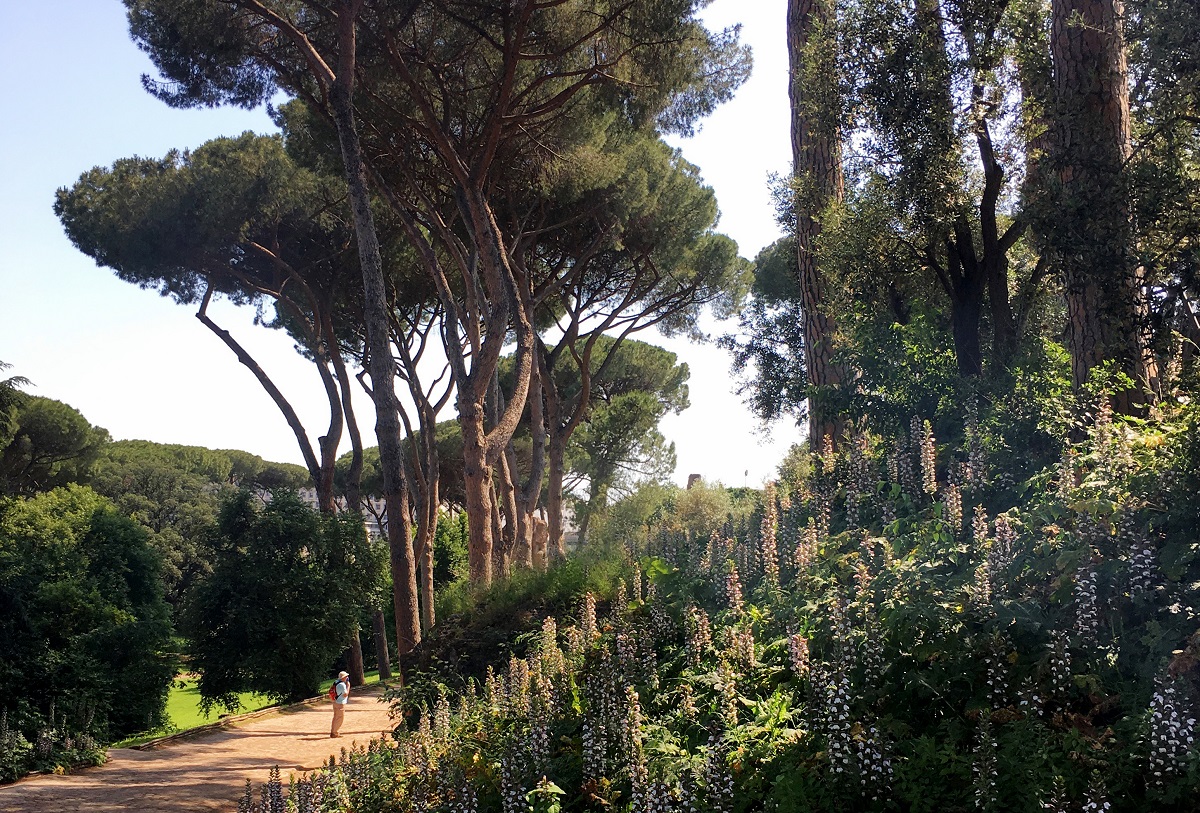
(373, 509)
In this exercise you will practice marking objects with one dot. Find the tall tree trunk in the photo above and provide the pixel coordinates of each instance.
(377, 322)
(555, 547)
(379, 633)
(1092, 235)
(477, 485)
(817, 167)
(499, 555)
(529, 492)
(428, 615)
(556, 433)
(968, 350)
(539, 541)
(358, 673)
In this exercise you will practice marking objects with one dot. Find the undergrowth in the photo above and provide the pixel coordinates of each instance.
(886, 635)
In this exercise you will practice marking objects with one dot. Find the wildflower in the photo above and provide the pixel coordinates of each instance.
(1172, 731)
(709, 555)
(1002, 552)
(1143, 564)
(491, 688)
(441, 717)
(627, 653)
(512, 789)
(718, 779)
(648, 661)
(740, 645)
(727, 685)
(981, 587)
(768, 549)
(699, 634)
(907, 471)
(639, 774)
(576, 642)
(843, 645)
(593, 748)
(466, 800)
(874, 765)
(587, 619)
(1066, 474)
(995, 660)
(1029, 700)
(979, 526)
(828, 460)
(928, 453)
(687, 702)
(1056, 802)
(976, 473)
(798, 650)
(872, 648)
(862, 580)
(1087, 603)
(619, 604)
(733, 590)
(984, 766)
(952, 499)
(517, 687)
(1096, 800)
(838, 724)
(1059, 664)
(806, 549)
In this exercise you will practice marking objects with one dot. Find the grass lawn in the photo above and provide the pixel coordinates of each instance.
(183, 708)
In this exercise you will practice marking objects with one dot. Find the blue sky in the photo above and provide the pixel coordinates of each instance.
(143, 367)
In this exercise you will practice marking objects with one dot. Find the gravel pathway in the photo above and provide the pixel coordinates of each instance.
(207, 771)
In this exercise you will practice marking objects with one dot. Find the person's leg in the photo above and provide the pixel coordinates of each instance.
(339, 711)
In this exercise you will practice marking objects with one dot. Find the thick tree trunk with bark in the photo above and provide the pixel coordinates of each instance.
(476, 483)
(539, 542)
(816, 162)
(556, 473)
(382, 367)
(382, 656)
(1093, 235)
(499, 555)
(354, 660)
(428, 616)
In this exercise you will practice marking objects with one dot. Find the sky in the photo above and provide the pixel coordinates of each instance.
(143, 367)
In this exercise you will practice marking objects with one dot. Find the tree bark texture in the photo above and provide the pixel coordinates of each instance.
(816, 162)
(382, 366)
(1093, 235)
(354, 660)
(555, 546)
(382, 656)
(477, 485)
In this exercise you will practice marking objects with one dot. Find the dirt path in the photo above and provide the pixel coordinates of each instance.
(206, 772)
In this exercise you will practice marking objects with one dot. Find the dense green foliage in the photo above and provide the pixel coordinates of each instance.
(175, 492)
(84, 630)
(52, 445)
(889, 633)
(282, 600)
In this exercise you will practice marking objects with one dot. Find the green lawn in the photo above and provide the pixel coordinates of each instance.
(183, 708)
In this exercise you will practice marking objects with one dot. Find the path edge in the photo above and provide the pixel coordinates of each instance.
(233, 720)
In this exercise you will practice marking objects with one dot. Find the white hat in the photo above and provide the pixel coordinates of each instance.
(343, 675)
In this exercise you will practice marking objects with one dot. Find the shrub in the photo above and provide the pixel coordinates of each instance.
(282, 600)
(84, 630)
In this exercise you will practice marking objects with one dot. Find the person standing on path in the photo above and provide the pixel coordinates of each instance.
(341, 691)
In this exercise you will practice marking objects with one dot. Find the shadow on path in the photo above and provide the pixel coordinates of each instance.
(207, 772)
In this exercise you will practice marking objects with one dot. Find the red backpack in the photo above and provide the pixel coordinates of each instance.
(333, 691)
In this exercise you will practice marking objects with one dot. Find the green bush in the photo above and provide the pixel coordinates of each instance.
(84, 630)
(282, 600)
